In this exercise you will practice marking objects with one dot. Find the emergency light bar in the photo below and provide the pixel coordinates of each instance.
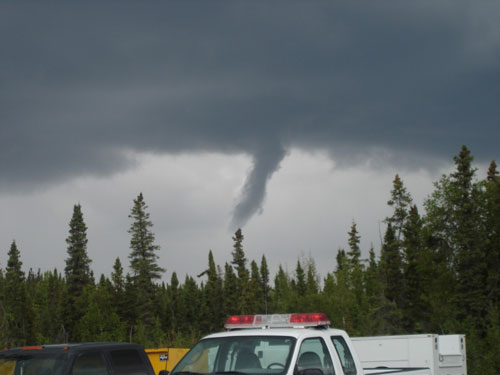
(277, 321)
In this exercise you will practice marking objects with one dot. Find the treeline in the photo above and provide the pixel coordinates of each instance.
(438, 272)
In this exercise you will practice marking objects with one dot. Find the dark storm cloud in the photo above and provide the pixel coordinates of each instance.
(81, 84)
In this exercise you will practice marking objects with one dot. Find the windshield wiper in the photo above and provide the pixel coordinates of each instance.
(229, 373)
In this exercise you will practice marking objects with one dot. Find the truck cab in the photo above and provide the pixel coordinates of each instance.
(76, 359)
(282, 344)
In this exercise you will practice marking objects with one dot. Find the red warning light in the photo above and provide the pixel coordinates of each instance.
(318, 318)
(240, 320)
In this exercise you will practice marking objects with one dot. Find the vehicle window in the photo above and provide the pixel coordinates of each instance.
(250, 354)
(91, 363)
(314, 354)
(7, 366)
(44, 364)
(126, 361)
(345, 355)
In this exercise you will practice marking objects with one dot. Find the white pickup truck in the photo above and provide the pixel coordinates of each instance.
(283, 344)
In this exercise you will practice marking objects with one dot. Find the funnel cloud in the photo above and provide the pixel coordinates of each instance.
(265, 163)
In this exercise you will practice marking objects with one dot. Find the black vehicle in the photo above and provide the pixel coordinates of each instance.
(76, 359)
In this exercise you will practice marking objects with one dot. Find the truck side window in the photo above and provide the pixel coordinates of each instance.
(127, 361)
(314, 354)
(345, 355)
(91, 363)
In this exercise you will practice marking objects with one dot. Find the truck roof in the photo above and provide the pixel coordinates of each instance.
(292, 332)
(72, 347)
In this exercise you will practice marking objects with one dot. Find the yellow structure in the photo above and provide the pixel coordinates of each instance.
(165, 358)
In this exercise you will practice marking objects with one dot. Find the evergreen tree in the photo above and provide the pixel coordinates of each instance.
(143, 262)
(312, 283)
(343, 297)
(117, 277)
(191, 302)
(118, 290)
(264, 273)
(391, 271)
(15, 298)
(50, 295)
(282, 293)
(468, 238)
(413, 272)
(100, 321)
(255, 288)
(391, 267)
(401, 201)
(354, 252)
(492, 240)
(374, 295)
(300, 281)
(212, 298)
(176, 306)
(239, 262)
(31, 317)
(78, 274)
(230, 291)
(355, 279)
(239, 259)
(341, 258)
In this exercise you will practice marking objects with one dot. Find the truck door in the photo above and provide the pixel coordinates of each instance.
(313, 354)
(90, 363)
(345, 356)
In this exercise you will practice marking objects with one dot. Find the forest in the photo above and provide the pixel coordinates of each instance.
(438, 271)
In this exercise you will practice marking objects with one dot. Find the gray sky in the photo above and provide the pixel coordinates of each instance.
(289, 119)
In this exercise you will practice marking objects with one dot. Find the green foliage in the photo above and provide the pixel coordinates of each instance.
(143, 263)
(78, 274)
(264, 274)
(239, 259)
(15, 304)
(401, 201)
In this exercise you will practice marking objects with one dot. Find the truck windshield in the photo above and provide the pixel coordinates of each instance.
(238, 355)
(42, 364)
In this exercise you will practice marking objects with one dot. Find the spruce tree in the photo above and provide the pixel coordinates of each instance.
(175, 306)
(230, 291)
(413, 272)
(77, 270)
(264, 273)
(239, 262)
(239, 259)
(391, 272)
(355, 278)
(401, 201)
(15, 298)
(191, 300)
(282, 293)
(374, 295)
(256, 293)
(118, 290)
(143, 261)
(300, 280)
(212, 298)
(50, 295)
(354, 252)
(470, 255)
(492, 224)
(341, 259)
